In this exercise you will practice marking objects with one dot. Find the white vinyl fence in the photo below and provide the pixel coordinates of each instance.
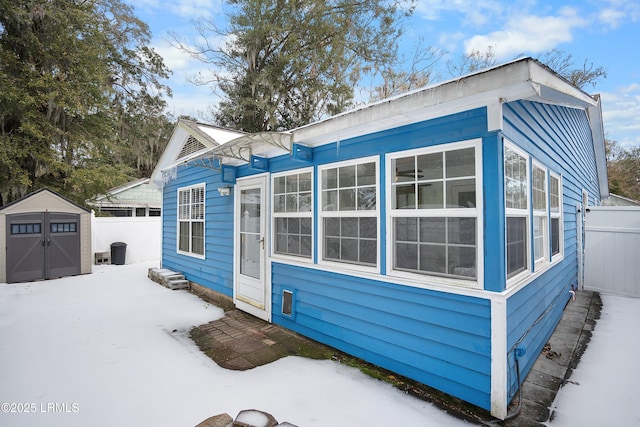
(612, 250)
(143, 236)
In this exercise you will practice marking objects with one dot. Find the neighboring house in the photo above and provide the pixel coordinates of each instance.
(615, 200)
(436, 234)
(135, 198)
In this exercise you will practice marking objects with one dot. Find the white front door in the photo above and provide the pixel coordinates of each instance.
(251, 290)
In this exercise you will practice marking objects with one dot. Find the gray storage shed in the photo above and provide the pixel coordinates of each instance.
(44, 236)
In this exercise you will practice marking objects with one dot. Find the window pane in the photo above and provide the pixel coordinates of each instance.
(555, 236)
(366, 198)
(432, 230)
(433, 258)
(554, 190)
(462, 231)
(462, 261)
(197, 238)
(293, 244)
(349, 227)
(305, 181)
(281, 225)
(292, 202)
(430, 166)
(305, 226)
(279, 203)
(281, 243)
(332, 227)
(293, 226)
(291, 183)
(539, 190)
(515, 180)
(405, 196)
(366, 174)
(368, 228)
(461, 193)
(405, 169)
(368, 251)
(332, 248)
(330, 178)
(347, 176)
(430, 196)
(406, 256)
(183, 237)
(304, 200)
(349, 249)
(279, 185)
(305, 246)
(406, 229)
(516, 245)
(348, 200)
(461, 163)
(330, 200)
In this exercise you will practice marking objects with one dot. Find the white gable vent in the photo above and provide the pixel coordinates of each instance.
(191, 146)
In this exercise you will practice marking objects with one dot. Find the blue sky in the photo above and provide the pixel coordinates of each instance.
(604, 32)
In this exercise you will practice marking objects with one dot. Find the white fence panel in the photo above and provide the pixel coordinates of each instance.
(143, 236)
(612, 249)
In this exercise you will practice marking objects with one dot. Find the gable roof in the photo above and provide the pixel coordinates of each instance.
(521, 79)
(189, 140)
(42, 200)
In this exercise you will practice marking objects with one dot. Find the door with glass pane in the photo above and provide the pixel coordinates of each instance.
(251, 293)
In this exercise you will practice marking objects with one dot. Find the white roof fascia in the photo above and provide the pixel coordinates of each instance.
(524, 79)
(597, 131)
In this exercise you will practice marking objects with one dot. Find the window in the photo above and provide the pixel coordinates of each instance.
(348, 213)
(433, 209)
(141, 211)
(516, 204)
(191, 220)
(33, 228)
(540, 218)
(293, 213)
(155, 212)
(63, 227)
(555, 209)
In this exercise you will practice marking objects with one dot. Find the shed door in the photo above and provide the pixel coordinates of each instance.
(42, 245)
(251, 293)
(25, 247)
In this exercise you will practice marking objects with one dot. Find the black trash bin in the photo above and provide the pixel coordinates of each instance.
(118, 253)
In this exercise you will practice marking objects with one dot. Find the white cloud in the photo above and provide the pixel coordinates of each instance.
(611, 17)
(476, 13)
(529, 34)
(621, 114)
(616, 12)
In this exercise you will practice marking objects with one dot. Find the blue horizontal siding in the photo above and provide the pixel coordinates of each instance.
(216, 270)
(442, 340)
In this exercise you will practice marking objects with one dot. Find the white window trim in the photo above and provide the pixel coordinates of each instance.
(204, 221)
(560, 215)
(422, 279)
(540, 262)
(311, 215)
(321, 215)
(521, 213)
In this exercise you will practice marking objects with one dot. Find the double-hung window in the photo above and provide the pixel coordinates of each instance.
(348, 212)
(434, 211)
(191, 220)
(540, 217)
(293, 213)
(517, 214)
(555, 209)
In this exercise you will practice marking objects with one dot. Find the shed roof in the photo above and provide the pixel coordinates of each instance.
(43, 200)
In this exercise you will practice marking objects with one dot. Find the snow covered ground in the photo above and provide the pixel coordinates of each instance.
(604, 386)
(100, 349)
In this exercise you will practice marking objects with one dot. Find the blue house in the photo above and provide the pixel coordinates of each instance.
(437, 234)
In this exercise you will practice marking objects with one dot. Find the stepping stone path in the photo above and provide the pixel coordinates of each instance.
(246, 418)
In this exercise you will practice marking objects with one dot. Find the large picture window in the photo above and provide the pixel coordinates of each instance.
(191, 220)
(348, 213)
(517, 214)
(433, 210)
(293, 213)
